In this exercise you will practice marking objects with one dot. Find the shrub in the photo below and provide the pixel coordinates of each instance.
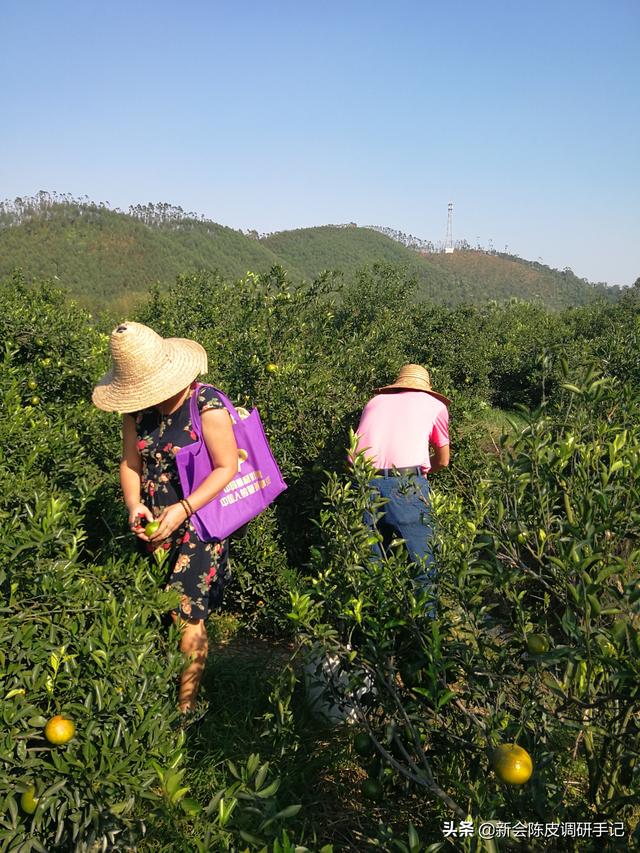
(83, 641)
(549, 548)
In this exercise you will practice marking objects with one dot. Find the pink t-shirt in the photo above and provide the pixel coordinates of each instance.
(395, 429)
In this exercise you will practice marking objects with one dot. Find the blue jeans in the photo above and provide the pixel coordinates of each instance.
(407, 515)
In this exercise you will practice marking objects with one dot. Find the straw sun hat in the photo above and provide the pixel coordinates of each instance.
(414, 377)
(147, 369)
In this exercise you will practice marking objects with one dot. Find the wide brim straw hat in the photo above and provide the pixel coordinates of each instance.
(414, 377)
(147, 369)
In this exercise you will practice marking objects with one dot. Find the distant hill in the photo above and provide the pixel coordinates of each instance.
(348, 248)
(464, 276)
(105, 257)
(504, 276)
(108, 259)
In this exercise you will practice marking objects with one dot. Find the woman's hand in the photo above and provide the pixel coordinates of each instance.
(139, 517)
(171, 518)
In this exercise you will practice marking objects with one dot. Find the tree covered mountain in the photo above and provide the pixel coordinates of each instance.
(108, 258)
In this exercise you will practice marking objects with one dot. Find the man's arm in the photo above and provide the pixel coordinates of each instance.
(439, 458)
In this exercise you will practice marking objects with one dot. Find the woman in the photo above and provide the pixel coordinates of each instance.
(152, 381)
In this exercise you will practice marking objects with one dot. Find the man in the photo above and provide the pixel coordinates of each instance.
(404, 431)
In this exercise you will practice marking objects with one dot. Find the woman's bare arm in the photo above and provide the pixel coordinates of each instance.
(131, 472)
(221, 444)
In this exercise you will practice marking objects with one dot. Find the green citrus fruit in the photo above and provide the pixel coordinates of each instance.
(619, 630)
(371, 789)
(410, 673)
(59, 730)
(29, 801)
(512, 764)
(537, 644)
(363, 745)
(151, 528)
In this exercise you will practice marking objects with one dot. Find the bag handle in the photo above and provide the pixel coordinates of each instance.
(196, 420)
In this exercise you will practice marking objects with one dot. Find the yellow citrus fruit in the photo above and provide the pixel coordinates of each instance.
(512, 764)
(537, 644)
(151, 528)
(29, 801)
(272, 368)
(59, 730)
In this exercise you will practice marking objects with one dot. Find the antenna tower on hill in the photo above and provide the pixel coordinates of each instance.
(448, 243)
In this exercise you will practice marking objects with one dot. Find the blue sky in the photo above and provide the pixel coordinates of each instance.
(275, 115)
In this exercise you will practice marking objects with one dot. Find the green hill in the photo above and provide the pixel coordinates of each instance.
(348, 248)
(506, 276)
(464, 276)
(109, 259)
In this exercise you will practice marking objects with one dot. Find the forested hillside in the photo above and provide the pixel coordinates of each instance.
(108, 259)
(350, 248)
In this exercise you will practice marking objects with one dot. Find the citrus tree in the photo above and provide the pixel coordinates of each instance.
(521, 696)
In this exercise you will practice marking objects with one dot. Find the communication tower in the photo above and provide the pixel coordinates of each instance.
(448, 243)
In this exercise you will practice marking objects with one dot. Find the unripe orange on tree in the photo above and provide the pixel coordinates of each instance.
(29, 801)
(537, 644)
(59, 730)
(151, 528)
(363, 745)
(372, 790)
(512, 764)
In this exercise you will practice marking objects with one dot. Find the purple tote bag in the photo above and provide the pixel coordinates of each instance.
(257, 483)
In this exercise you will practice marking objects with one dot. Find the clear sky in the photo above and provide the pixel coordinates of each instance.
(275, 115)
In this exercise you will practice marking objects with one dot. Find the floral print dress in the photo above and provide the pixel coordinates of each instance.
(198, 570)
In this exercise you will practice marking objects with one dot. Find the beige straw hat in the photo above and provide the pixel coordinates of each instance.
(147, 369)
(414, 377)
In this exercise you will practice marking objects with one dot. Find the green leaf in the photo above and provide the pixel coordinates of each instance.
(270, 790)
(190, 806)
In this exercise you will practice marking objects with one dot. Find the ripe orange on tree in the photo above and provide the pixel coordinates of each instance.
(59, 730)
(512, 764)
